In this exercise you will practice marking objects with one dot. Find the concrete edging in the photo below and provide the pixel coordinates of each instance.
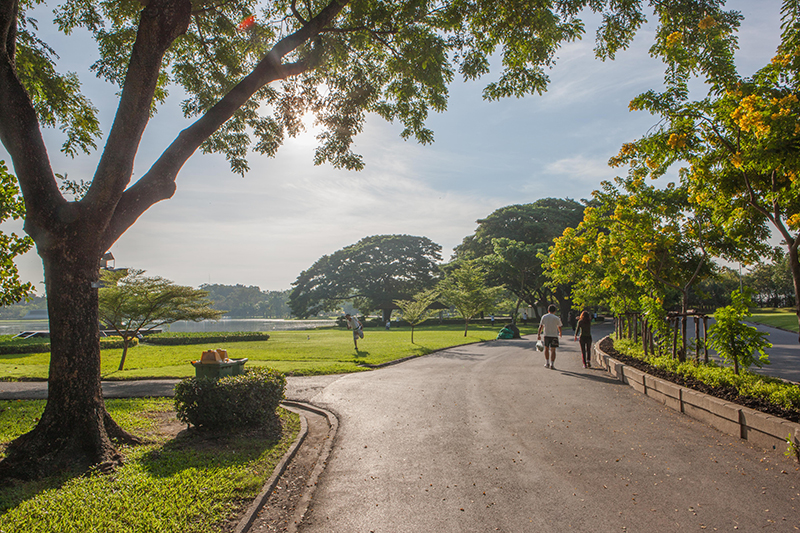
(766, 431)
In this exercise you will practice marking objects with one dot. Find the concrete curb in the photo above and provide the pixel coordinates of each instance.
(763, 430)
(322, 462)
(259, 501)
(251, 514)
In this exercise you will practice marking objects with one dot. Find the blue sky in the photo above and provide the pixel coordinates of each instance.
(267, 227)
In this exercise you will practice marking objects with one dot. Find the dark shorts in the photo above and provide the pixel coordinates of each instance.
(358, 333)
(551, 342)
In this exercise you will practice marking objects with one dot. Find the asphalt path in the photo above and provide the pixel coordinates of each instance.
(484, 438)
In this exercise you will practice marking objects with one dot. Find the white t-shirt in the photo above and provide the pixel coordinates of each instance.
(353, 322)
(550, 323)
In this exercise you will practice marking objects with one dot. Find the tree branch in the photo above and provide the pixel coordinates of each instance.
(159, 182)
(162, 21)
(21, 136)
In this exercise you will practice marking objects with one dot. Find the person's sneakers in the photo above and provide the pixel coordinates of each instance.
(552, 366)
(584, 365)
(547, 364)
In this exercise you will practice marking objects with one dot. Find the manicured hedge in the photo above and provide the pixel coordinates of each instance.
(42, 345)
(182, 339)
(248, 400)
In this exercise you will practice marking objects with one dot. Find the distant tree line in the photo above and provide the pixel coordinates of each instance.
(241, 301)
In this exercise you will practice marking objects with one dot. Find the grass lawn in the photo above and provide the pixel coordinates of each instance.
(318, 351)
(189, 484)
(779, 318)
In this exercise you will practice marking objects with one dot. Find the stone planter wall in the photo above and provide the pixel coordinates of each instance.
(761, 429)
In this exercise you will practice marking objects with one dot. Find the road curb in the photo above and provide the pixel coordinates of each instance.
(257, 504)
(761, 429)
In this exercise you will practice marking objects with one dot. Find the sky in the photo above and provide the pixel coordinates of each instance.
(267, 227)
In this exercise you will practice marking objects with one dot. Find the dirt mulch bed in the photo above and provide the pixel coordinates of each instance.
(729, 394)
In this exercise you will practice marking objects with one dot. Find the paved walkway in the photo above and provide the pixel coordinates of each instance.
(484, 438)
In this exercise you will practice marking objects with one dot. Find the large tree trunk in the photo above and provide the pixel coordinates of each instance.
(75, 431)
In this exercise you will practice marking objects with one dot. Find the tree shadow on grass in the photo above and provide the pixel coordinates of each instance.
(14, 492)
(200, 449)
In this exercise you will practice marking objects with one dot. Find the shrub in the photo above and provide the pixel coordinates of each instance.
(250, 399)
(182, 339)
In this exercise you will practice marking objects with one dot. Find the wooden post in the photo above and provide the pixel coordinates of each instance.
(705, 338)
(675, 339)
(697, 338)
(644, 336)
(684, 327)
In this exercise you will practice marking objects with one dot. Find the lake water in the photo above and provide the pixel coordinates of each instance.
(12, 327)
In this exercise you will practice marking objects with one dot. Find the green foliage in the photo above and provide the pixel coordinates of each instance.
(774, 390)
(247, 400)
(735, 341)
(131, 302)
(416, 311)
(465, 289)
(187, 484)
(372, 273)
(239, 301)
(737, 147)
(12, 207)
(183, 339)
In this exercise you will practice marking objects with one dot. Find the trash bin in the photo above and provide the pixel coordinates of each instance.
(214, 364)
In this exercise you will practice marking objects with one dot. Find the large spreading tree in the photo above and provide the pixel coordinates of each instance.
(249, 69)
(372, 273)
(512, 241)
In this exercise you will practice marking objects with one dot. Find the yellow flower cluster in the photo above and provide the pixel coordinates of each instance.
(794, 221)
(749, 117)
(677, 141)
(674, 39)
(706, 23)
(736, 159)
(782, 59)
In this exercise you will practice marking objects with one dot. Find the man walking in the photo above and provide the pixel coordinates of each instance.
(550, 325)
(355, 325)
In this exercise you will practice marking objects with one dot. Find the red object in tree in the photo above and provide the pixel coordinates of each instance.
(247, 23)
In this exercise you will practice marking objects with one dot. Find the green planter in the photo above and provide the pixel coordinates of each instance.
(234, 367)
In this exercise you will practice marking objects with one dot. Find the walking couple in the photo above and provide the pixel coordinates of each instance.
(550, 325)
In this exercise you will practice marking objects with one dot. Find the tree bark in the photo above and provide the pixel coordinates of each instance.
(75, 429)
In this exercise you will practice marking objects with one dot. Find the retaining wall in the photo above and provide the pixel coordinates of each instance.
(761, 429)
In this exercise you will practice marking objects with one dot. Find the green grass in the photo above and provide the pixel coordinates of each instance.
(778, 318)
(169, 485)
(318, 351)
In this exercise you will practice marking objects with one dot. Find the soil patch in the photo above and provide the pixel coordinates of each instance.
(726, 393)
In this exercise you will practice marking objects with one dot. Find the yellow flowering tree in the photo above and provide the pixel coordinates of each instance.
(739, 147)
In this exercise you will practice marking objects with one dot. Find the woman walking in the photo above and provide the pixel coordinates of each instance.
(585, 328)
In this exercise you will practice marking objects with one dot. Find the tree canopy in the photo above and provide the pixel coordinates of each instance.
(737, 146)
(512, 241)
(373, 273)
